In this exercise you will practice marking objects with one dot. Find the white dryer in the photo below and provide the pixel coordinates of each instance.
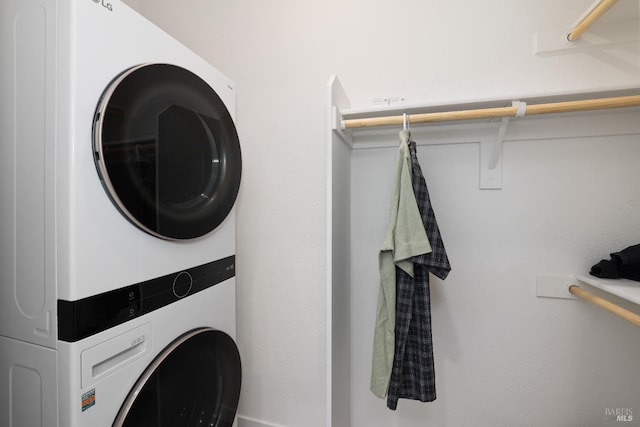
(119, 169)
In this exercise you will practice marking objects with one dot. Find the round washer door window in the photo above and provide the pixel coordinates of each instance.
(194, 382)
(167, 151)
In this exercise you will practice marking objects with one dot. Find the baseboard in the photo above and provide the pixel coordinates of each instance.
(251, 422)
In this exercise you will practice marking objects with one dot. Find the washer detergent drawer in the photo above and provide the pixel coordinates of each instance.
(105, 358)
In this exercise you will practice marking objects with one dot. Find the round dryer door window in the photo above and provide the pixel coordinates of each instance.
(194, 382)
(167, 151)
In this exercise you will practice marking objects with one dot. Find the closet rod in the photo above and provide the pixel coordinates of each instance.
(605, 305)
(590, 18)
(490, 113)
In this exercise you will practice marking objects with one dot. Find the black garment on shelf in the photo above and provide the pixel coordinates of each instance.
(413, 373)
(624, 264)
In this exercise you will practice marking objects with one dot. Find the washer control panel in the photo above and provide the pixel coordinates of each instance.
(182, 284)
(88, 316)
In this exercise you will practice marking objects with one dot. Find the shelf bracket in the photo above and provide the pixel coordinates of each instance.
(491, 152)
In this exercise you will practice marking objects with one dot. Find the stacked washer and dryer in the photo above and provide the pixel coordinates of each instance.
(119, 169)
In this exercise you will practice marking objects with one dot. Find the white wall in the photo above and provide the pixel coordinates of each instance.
(281, 54)
(503, 356)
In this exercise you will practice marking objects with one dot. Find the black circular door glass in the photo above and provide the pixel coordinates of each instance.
(194, 382)
(167, 151)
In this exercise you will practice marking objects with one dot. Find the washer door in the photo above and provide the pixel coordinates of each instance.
(194, 382)
(167, 151)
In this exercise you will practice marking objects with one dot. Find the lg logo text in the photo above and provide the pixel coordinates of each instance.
(104, 4)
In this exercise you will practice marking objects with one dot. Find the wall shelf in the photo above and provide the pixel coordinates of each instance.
(473, 121)
(568, 287)
(623, 288)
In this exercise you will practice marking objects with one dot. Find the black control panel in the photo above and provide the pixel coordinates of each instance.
(83, 318)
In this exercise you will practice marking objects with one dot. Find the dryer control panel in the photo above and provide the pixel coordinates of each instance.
(89, 316)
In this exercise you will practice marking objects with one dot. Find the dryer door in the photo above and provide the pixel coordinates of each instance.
(167, 151)
(194, 382)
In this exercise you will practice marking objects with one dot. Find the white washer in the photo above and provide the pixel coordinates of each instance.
(119, 169)
(177, 366)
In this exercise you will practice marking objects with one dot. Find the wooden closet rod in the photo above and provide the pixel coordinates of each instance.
(605, 305)
(490, 113)
(590, 18)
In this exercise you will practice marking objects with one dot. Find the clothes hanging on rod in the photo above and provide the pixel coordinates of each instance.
(413, 373)
(405, 238)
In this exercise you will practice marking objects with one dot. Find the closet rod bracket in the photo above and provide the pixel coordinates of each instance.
(497, 147)
(491, 152)
(337, 125)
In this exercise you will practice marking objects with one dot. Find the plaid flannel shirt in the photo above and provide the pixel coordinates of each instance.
(413, 372)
